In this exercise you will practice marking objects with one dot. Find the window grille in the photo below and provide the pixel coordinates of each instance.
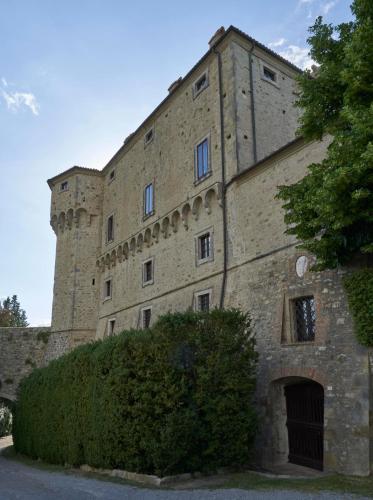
(146, 317)
(204, 302)
(305, 319)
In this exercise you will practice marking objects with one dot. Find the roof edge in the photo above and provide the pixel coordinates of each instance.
(75, 169)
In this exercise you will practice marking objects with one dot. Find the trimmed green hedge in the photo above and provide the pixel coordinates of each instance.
(174, 398)
(359, 288)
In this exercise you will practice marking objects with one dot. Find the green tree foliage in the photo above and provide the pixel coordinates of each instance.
(331, 209)
(173, 398)
(359, 288)
(11, 313)
(5, 420)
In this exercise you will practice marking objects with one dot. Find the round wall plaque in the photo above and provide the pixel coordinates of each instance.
(301, 266)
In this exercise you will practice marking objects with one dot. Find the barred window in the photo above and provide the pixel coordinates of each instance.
(204, 302)
(304, 318)
(146, 317)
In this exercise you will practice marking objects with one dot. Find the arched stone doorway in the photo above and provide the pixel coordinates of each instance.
(297, 414)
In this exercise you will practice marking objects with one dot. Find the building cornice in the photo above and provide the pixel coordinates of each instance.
(73, 170)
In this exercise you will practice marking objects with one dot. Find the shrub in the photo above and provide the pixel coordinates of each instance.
(173, 398)
(359, 288)
(5, 420)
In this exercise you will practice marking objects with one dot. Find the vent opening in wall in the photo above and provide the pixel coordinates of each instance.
(112, 175)
(149, 136)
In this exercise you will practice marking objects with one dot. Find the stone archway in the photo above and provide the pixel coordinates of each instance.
(297, 421)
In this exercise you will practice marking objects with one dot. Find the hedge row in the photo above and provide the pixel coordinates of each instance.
(173, 398)
(359, 288)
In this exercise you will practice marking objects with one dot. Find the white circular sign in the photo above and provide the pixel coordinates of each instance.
(301, 266)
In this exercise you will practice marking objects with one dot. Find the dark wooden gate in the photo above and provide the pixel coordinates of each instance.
(305, 423)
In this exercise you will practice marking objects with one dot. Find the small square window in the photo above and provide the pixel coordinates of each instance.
(304, 313)
(110, 229)
(146, 316)
(200, 84)
(148, 200)
(111, 326)
(107, 289)
(268, 74)
(149, 136)
(202, 159)
(148, 272)
(64, 186)
(204, 247)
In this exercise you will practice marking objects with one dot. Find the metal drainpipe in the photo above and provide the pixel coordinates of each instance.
(252, 102)
(224, 208)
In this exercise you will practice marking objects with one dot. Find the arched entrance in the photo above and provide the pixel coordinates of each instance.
(305, 423)
(297, 414)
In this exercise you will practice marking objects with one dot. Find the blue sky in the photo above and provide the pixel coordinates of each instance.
(76, 77)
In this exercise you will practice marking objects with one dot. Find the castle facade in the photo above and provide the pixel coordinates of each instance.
(184, 216)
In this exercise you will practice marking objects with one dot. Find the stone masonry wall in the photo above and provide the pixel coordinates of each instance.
(21, 350)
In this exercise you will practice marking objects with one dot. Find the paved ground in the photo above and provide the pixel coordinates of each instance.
(19, 481)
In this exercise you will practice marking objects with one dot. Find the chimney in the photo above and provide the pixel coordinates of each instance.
(174, 85)
(218, 34)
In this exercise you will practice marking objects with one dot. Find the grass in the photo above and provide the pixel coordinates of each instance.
(241, 480)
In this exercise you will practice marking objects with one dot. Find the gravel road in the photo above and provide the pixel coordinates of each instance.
(19, 481)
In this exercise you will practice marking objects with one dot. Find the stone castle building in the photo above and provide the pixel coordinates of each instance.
(184, 215)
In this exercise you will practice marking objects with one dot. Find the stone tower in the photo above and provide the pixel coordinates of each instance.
(76, 220)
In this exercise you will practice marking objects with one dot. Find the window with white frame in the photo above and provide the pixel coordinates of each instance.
(204, 247)
(64, 186)
(202, 300)
(110, 229)
(200, 84)
(111, 326)
(148, 272)
(108, 289)
(269, 74)
(148, 200)
(202, 161)
(146, 316)
(149, 136)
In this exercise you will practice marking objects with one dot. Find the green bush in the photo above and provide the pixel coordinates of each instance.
(173, 398)
(5, 420)
(359, 288)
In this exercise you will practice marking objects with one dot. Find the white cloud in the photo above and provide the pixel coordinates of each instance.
(328, 6)
(278, 43)
(302, 2)
(16, 100)
(298, 56)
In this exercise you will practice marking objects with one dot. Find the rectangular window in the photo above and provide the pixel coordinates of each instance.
(146, 315)
(269, 74)
(204, 302)
(200, 84)
(110, 228)
(107, 289)
(111, 326)
(148, 200)
(112, 175)
(149, 136)
(204, 246)
(64, 186)
(202, 159)
(148, 272)
(304, 318)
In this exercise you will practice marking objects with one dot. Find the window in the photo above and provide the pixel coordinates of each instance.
(148, 200)
(110, 229)
(64, 186)
(268, 74)
(111, 326)
(204, 247)
(202, 300)
(202, 159)
(146, 315)
(148, 272)
(112, 175)
(149, 136)
(200, 84)
(107, 289)
(304, 319)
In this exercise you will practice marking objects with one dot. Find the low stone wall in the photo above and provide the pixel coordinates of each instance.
(21, 350)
